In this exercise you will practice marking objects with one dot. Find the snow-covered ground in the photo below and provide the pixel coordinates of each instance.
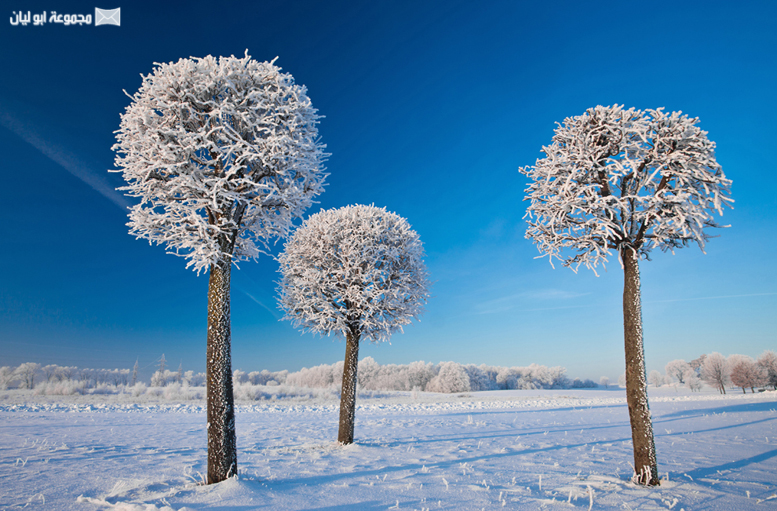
(561, 449)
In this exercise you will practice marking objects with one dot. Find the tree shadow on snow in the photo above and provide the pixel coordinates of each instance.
(714, 471)
(486, 411)
(745, 407)
(373, 504)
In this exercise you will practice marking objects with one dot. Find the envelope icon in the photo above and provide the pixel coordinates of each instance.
(107, 16)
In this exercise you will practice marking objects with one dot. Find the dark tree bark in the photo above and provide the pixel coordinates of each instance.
(222, 445)
(645, 463)
(348, 392)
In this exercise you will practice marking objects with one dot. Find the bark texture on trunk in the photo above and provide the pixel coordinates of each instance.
(348, 392)
(645, 462)
(222, 445)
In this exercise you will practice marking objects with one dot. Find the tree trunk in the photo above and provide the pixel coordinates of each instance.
(348, 391)
(222, 448)
(645, 463)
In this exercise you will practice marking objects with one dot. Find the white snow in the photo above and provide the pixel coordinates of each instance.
(520, 449)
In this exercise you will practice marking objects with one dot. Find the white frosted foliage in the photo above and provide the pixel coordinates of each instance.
(614, 178)
(356, 269)
(223, 153)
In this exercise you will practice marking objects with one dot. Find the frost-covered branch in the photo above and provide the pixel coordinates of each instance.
(615, 178)
(358, 269)
(223, 153)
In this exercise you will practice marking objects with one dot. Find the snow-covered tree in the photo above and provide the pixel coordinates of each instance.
(135, 373)
(768, 361)
(746, 373)
(655, 378)
(697, 363)
(626, 181)
(451, 378)
(25, 373)
(715, 371)
(7, 375)
(50, 371)
(224, 154)
(604, 381)
(356, 272)
(677, 369)
(693, 381)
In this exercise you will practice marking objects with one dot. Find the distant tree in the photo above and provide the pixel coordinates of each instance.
(68, 372)
(50, 371)
(7, 375)
(746, 373)
(577, 383)
(135, 373)
(622, 380)
(224, 154)
(158, 379)
(604, 381)
(715, 372)
(697, 363)
(693, 381)
(357, 272)
(629, 181)
(768, 361)
(677, 369)
(179, 376)
(451, 378)
(26, 374)
(655, 378)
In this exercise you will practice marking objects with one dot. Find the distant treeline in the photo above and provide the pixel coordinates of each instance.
(445, 377)
(719, 372)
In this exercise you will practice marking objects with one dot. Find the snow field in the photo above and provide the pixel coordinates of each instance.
(487, 450)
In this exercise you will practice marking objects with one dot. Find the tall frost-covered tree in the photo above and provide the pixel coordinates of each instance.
(625, 181)
(223, 153)
(356, 272)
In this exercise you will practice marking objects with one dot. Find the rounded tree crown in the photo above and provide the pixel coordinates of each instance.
(623, 179)
(223, 153)
(357, 269)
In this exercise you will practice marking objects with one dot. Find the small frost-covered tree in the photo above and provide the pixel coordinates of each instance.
(768, 361)
(626, 181)
(693, 382)
(678, 369)
(715, 371)
(223, 153)
(655, 378)
(356, 272)
(604, 381)
(746, 373)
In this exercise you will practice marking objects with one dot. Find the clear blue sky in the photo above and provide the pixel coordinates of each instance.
(430, 108)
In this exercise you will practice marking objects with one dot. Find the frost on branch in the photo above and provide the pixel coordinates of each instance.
(615, 178)
(223, 153)
(356, 269)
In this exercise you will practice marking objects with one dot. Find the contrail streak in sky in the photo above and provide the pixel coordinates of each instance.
(66, 160)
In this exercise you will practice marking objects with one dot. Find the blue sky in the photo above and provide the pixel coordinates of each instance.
(430, 108)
